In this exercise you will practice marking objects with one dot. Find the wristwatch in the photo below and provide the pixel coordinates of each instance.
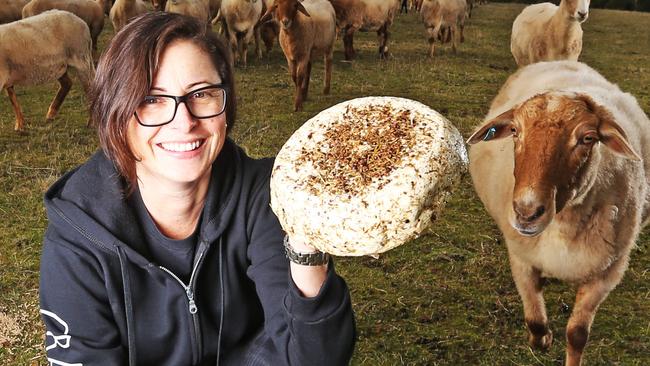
(316, 258)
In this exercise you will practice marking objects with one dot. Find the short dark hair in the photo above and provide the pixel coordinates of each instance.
(127, 68)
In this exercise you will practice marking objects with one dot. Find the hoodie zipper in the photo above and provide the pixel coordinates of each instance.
(189, 292)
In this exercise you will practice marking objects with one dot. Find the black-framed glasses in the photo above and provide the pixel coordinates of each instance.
(159, 109)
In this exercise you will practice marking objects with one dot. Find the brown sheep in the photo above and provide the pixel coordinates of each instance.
(562, 164)
(270, 29)
(307, 31)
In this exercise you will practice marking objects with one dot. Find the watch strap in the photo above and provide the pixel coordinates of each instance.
(316, 258)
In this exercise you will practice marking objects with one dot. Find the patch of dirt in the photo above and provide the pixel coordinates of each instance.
(9, 330)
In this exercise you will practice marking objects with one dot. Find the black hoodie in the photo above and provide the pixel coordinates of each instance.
(104, 303)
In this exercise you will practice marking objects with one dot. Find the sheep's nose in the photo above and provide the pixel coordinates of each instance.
(582, 15)
(286, 22)
(528, 213)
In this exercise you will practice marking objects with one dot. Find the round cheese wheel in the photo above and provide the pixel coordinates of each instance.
(366, 175)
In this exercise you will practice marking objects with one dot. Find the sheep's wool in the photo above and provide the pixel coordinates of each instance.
(366, 175)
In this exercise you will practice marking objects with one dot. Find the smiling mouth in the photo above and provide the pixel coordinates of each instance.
(181, 146)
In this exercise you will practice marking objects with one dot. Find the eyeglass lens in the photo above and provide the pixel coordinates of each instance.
(160, 109)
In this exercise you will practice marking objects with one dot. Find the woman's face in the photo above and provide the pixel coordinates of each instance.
(182, 151)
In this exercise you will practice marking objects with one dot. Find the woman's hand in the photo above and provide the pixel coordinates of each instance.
(308, 279)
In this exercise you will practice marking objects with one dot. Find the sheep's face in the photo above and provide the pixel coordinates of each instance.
(554, 137)
(286, 10)
(578, 9)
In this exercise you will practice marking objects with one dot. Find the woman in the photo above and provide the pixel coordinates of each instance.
(162, 248)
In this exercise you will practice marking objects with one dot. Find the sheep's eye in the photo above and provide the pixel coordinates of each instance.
(588, 139)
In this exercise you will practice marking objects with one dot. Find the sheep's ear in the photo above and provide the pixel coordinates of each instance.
(269, 13)
(497, 128)
(609, 132)
(302, 9)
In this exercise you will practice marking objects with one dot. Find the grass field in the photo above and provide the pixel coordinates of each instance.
(446, 298)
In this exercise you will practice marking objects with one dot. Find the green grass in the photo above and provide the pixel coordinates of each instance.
(446, 298)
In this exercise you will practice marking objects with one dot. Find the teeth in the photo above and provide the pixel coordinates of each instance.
(175, 146)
